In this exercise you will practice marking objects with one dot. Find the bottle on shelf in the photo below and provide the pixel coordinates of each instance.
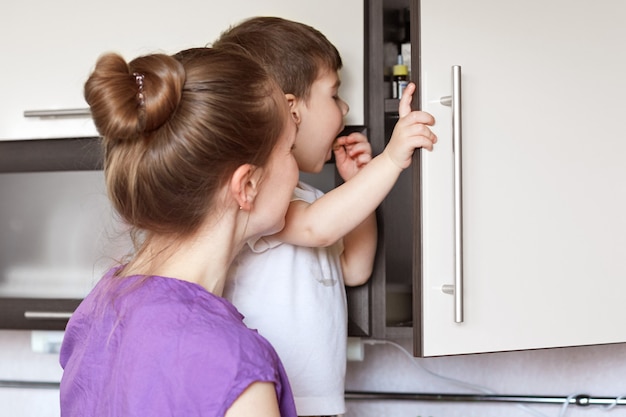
(400, 78)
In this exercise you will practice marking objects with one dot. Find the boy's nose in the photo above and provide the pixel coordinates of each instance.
(344, 107)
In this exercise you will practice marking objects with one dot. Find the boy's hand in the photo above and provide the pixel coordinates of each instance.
(411, 131)
(352, 152)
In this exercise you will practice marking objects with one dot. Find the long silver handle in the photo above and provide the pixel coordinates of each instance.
(29, 384)
(455, 102)
(47, 315)
(58, 113)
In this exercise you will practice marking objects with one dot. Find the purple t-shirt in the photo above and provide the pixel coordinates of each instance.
(155, 346)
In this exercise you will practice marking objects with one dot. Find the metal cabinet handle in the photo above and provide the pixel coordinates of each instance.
(29, 384)
(47, 315)
(454, 101)
(58, 113)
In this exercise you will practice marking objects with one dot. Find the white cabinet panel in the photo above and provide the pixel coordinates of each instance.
(544, 178)
(49, 48)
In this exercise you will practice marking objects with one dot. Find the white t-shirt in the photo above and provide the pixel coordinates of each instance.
(295, 297)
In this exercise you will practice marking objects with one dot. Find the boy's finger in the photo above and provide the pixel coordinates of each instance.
(405, 101)
(355, 137)
(340, 141)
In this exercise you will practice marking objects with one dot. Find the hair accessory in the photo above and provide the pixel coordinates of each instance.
(139, 80)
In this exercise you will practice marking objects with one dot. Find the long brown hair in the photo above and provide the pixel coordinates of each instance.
(176, 127)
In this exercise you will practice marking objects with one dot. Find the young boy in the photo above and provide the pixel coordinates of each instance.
(290, 286)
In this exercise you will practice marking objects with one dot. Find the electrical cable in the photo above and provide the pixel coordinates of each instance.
(479, 388)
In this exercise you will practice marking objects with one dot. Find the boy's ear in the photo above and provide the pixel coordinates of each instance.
(244, 185)
(294, 107)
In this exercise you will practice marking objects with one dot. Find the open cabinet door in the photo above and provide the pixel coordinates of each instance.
(541, 242)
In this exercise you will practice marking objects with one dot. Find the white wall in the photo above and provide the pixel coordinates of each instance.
(19, 362)
(594, 370)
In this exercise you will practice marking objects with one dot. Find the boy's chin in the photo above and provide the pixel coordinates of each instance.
(314, 170)
(319, 169)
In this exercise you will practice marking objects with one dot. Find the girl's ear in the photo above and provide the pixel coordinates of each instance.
(244, 185)
(294, 107)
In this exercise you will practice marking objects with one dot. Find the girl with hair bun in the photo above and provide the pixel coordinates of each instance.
(197, 160)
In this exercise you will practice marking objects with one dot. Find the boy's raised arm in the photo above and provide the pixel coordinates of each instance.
(342, 209)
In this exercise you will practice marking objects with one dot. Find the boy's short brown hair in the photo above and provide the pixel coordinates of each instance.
(294, 53)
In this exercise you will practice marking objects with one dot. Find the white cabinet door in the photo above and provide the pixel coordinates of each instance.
(49, 48)
(543, 174)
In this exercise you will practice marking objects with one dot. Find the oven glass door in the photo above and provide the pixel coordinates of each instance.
(59, 233)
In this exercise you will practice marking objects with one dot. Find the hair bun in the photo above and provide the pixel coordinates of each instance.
(128, 100)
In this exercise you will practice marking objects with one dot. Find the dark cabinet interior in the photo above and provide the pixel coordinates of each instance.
(384, 307)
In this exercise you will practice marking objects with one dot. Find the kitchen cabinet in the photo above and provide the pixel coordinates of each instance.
(530, 229)
(50, 48)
